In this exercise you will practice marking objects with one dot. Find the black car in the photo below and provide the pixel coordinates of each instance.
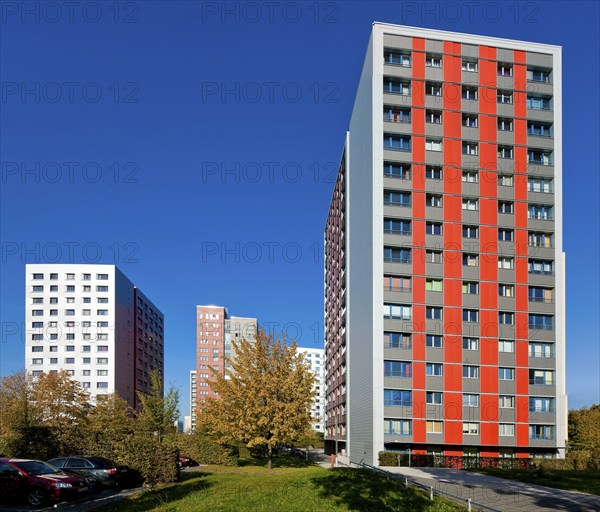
(102, 470)
(38, 483)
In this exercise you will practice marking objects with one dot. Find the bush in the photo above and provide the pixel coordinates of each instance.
(388, 458)
(204, 449)
(156, 462)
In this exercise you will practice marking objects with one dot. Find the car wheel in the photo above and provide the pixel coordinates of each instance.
(37, 496)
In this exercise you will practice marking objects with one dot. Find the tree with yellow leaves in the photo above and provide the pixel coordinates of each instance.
(264, 400)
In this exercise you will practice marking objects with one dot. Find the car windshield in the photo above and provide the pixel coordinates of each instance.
(34, 467)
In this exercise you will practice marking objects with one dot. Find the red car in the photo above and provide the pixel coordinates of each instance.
(38, 482)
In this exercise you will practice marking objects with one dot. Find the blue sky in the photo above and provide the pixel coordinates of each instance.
(195, 143)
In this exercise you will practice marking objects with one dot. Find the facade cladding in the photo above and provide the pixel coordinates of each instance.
(449, 191)
(93, 322)
(215, 330)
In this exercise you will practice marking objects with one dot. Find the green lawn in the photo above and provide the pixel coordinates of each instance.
(282, 489)
(570, 480)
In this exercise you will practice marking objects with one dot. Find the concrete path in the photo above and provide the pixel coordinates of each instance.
(498, 493)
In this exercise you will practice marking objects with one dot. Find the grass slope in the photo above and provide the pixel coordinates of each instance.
(239, 489)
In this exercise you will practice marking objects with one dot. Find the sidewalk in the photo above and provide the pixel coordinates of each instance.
(499, 493)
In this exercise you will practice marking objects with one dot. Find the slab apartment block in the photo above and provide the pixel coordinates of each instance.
(215, 330)
(444, 264)
(93, 322)
(315, 358)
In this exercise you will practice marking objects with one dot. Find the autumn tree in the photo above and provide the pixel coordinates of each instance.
(584, 429)
(158, 413)
(264, 400)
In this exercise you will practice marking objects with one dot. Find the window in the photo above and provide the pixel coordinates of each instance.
(505, 235)
(539, 102)
(53, 277)
(432, 256)
(470, 148)
(506, 318)
(506, 373)
(470, 260)
(506, 262)
(433, 313)
(396, 226)
(69, 360)
(470, 232)
(541, 266)
(396, 115)
(506, 290)
(54, 288)
(433, 340)
(541, 432)
(433, 228)
(38, 276)
(506, 429)
(470, 428)
(433, 369)
(395, 170)
(397, 255)
(433, 60)
(540, 156)
(70, 348)
(102, 360)
(434, 427)
(396, 283)
(37, 288)
(469, 203)
(506, 180)
(70, 300)
(102, 373)
(470, 315)
(506, 402)
(541, 404)
(54, 360)
(102, 277)
(396, 142)
(536, 239)
(505, 124)
(469, 65)
(86, 348)
(540, 211)
(37, 349)
(101, 384)
(540, 349)
(70, 277)
(70, 288)
(470, 177)
(102, 312)
(469, 92)
(102, 348)
(54, 349)
(470, 372)
(506, 207)
(53, 312)
(397, 397)
(397, 312)
(505, 152)
(470, 343)
(434, 397)
(397, 427)
(397, 340)
(86, 277)
(87, 360)
(101, 288)
(470, 287)
(539, 129)
(39, 312)
(53, 300)
(504, 69)
(539, 74)
(396, 86)
(86, 373)
(395, 198)
(470, 400)
(433, 200)
(433, 285)
(469, 120)
(541, 377)
(541, 322)
(396, 369)
(398, 57)
(504, 96)
(37, 325)
(433, 145)
(540, 294)
(433, 116)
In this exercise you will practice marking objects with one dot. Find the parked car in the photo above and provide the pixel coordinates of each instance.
(103, 471)
(38, 482)
(183, 462)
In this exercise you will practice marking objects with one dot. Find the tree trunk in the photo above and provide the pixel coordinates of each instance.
(270, 463)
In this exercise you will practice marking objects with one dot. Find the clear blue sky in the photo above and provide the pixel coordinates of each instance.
(194, 145)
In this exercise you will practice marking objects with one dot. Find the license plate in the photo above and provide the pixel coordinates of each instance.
(123, 471)
(82, 489)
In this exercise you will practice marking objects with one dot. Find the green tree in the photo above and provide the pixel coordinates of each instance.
(584, 429)
(158, 414)
(264, 400)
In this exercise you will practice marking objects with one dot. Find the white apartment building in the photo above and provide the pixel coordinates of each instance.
(93, 322)
(191, 427)
(315, 357)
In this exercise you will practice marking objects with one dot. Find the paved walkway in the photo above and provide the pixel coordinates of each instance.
(499, 493)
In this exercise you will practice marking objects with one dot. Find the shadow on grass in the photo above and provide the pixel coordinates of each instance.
(190, 483)
(279, 461)
(360, 489)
